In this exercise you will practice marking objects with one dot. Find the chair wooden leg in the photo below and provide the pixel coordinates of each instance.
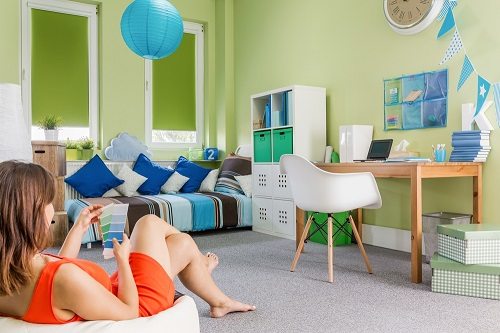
(360, 245)
(330, 250)
(301, 244)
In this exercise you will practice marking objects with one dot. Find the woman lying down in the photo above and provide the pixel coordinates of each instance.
(43, 288)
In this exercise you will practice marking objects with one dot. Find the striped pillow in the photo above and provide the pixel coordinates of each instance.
(233, 166)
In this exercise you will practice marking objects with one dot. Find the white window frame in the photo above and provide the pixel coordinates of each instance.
(197, 30)
(65, 7)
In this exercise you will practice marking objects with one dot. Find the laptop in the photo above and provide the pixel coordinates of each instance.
(379, 151)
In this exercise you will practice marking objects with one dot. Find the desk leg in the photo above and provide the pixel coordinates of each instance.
(477, 192)
(416, 226)
(299, 225)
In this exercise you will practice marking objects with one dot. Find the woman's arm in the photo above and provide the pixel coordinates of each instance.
(73, 241)
(77, 292)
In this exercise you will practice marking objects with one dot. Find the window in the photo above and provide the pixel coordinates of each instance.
(174, 94)
(59, 66)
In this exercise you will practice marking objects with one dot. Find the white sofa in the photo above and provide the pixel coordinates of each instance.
(181, 318)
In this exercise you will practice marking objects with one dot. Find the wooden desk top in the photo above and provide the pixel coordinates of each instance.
(406, 169)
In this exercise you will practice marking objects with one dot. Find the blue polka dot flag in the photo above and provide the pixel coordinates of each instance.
(467, 70)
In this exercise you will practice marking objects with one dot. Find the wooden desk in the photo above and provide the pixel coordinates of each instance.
(415, 172)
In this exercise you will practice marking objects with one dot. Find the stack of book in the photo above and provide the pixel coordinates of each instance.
(470, 146)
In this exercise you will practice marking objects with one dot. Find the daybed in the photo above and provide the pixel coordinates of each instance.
(196, 211)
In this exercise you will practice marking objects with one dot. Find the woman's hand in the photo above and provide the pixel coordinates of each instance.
(89, 215)
(121, 251)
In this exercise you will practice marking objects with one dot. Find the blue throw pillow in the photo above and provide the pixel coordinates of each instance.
(194, 172)
(93, 179)
(156, 175)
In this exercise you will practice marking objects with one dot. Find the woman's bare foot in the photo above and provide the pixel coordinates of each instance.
(212, 261)
(230, 306)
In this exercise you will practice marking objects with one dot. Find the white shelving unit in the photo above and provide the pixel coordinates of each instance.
(297, 127)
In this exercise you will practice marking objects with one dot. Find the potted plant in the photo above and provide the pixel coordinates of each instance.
(87, 146)
(73, 150)
(49, 124)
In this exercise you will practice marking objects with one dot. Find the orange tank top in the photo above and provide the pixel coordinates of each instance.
(40, 309)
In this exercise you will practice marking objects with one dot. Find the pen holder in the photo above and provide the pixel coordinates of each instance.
(440, 155)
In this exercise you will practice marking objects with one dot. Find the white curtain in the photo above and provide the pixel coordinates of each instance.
(14, 137)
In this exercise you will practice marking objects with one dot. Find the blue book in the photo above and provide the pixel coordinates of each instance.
(475, 132)
(470, 143)
(267, 115)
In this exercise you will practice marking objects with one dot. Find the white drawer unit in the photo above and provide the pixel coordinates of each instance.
(281, 189)
(284, 218)
(262, 212)
(263, 180)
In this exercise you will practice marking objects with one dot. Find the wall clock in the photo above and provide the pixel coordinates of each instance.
(409, 17)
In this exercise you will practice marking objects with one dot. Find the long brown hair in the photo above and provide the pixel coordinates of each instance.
(25, 191)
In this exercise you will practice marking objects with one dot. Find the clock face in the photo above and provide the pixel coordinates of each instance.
(407, 13)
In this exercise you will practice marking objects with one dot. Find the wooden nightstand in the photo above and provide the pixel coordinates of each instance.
(52, 156)
(59, 228)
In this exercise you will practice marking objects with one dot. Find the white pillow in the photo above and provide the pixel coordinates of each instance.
(246, 184)
(132, 179)
(111, 193)
(208, 184)
(174, 183)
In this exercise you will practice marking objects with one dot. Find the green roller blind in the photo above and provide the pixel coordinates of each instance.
(60, 67)
(174, 90)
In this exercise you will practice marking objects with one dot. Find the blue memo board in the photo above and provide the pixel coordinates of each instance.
(416, 101)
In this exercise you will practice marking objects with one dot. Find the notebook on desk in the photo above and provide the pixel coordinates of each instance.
(379, 151)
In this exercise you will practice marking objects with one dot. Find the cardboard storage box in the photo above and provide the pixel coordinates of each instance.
(470, 243)
(451, 277)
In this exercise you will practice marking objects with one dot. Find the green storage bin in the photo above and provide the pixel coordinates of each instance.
(262, 146)
(282, 143)
(321, 237)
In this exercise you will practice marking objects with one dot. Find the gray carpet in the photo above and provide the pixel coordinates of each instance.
(254, 268)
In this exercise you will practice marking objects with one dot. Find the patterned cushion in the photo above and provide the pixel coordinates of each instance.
(132, 181)
(233, 166)
(246, 184)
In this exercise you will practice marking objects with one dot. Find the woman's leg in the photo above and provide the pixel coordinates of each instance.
(179, 255)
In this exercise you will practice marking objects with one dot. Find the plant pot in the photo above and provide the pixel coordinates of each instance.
(86, 154)
(73, 154)
(51, 135)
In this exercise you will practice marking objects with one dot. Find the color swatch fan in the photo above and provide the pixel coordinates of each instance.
(113, 219)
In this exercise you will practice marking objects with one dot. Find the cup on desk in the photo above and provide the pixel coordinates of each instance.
(440, 154)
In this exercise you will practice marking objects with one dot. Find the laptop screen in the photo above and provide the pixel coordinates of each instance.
(380, 149)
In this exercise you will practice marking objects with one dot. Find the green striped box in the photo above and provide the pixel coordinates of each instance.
(451, 277)
(470, 243)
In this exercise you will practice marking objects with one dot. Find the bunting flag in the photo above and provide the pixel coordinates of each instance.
(454, 48)
(496, 91)
(467, 70)
(447, 6)
(483, 87)
(448, 24)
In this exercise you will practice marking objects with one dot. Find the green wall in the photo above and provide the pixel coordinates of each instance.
(348, 48)
(122, 72)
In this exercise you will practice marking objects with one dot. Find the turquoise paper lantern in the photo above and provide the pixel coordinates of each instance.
(152, 29)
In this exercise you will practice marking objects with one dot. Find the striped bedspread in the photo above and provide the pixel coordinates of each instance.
(185, 211)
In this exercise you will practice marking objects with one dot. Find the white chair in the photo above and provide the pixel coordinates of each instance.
(181, 318)
(316, 190)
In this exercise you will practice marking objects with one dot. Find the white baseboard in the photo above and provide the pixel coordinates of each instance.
(389, 238)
